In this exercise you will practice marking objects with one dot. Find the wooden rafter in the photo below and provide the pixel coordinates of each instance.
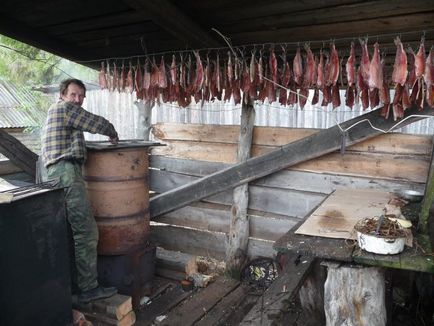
(172, 19)
(18, 30)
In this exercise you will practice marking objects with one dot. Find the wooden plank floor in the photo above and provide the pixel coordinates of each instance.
(223, 302)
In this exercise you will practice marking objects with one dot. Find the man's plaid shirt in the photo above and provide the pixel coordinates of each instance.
(62, 137)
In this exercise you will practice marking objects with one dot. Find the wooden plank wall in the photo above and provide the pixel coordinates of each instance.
(278, 201)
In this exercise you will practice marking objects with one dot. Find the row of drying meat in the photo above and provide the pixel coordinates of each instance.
(263, 76)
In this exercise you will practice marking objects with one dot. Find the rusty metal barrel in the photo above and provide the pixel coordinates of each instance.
(117, 184)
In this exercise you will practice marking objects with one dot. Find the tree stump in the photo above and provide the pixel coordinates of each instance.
(354, 295)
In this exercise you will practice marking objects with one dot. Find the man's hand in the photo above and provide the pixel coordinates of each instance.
(114, 140)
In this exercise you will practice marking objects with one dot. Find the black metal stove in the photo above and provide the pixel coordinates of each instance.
(34, 259)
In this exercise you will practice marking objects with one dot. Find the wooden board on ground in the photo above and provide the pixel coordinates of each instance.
(101, 319)
(337, 215)
(161, 305)
(268, 308)
(325, 248)
(196, 307)
(225, 308)
(116, 307)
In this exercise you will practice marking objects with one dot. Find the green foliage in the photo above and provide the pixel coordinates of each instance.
(23, 64)
(26, 67)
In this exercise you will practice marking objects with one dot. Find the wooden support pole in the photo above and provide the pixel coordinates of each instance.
(17, 153)
(145, 117)
(426, 218)
(321, 143)
(354, 295)
(236, 250)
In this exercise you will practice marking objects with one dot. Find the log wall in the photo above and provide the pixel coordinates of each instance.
(278, 201)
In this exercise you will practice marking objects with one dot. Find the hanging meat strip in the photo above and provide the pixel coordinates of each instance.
(115, 77)
(362, 89)
(260, 70)
(333, 76)
(129, 86)
(198, 83)
(351, 77)
(162, 76)
(419, 64)
(174, 83)
(109, 78)
(375, 70)
(399, 76)
(218, 75)
(253, 73)
(146, 75)
(225, 83)
(271, 91)
(252, 67)
(230, 71)
(310, 68)
(297, 67)
(327, 91)
(364, 61)
(123, 77)
(102, 79)
(207, 81)
(428, 77)
(273, 66)
(286, 78)
(173, 70)
(333, 67)
(375, 77)
(138, 81)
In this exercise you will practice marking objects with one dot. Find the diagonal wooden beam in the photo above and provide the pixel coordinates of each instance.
(321, 143)
(17, 153)
(172, 19)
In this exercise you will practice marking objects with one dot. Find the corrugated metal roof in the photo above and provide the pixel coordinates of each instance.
(18, 107)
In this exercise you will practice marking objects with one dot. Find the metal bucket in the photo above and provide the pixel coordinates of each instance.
(117, 184)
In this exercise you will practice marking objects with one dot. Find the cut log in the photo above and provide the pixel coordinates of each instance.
(316, 145)
(17, 153)
(101, 319)
(236, 251)
(354, 296)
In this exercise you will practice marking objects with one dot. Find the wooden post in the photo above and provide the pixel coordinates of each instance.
(236, 250)
(145, 116)
(426, 226)
(354, 295)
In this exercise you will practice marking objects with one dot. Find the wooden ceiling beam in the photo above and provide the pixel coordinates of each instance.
(23, 33)
(173, 20)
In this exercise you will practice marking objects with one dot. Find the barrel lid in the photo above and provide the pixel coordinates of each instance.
(126, 143)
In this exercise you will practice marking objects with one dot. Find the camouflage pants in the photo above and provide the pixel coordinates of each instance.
(80, 217)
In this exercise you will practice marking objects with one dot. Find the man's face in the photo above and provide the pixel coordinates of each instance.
(74, 94)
